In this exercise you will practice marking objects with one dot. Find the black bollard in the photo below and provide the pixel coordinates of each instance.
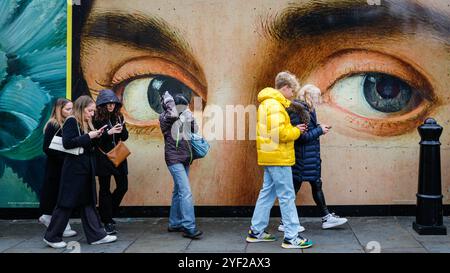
(429, 211)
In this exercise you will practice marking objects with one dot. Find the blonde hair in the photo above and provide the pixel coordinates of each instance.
(286, 78)
(78, 112)
(56, 117)
(306, 92)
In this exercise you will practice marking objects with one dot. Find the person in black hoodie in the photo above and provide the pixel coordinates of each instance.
(49, 192)
(108, 114)
(176, 122)
(77, 184)
(307, 152)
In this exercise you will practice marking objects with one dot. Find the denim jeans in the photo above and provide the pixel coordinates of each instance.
(277, 183)
(182, 209)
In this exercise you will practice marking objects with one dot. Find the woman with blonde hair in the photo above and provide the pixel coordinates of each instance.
(307, 151)
(77, 185)
(49, 192)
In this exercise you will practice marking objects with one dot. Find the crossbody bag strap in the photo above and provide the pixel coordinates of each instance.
(59, 129)
(114, 141)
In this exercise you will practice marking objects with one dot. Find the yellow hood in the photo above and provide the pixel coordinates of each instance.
(271, 93)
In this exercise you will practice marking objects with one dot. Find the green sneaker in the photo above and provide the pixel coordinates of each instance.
(259, 237)
(297, 242)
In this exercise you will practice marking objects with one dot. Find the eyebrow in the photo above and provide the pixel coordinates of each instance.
(316, 18)
(139, 31)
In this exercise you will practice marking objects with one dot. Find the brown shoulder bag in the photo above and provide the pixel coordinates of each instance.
(118, 154)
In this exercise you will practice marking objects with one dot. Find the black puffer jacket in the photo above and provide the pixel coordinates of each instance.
(177, 148)
(307, 147)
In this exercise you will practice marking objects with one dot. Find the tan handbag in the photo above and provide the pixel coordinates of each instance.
(118, 154)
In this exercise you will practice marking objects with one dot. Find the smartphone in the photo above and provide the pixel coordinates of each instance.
(120, 124)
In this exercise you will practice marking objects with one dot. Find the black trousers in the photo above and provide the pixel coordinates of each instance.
(49, 195)
(317, 193)
(92, 226)
(108, 203)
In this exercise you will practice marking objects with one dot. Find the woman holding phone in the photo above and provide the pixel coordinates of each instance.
(77, 184)
(108, 114)
(307, 152)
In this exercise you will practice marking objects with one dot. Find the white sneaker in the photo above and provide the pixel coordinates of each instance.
(107, 239)
(45, 219)
(61, 244)
(332, 220)
(69, 232)
(281, 228)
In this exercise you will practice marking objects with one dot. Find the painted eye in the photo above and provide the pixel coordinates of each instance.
(375, 95)
(142, 96)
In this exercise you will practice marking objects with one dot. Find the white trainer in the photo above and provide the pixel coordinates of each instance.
(45, 219)
(332, 220)
(281, 228)
(61, 244)
(107, 239)
(69, 232)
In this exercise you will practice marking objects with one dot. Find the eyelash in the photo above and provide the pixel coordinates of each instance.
(152, 66)
(342, 65)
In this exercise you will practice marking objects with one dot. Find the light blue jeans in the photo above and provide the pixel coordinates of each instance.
(277, 183)
(182, 209)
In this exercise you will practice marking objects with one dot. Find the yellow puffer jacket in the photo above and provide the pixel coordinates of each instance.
(275, 134)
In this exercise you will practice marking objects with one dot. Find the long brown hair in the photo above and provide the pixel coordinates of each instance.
(56, 117)
(102, 112)
(78, 111)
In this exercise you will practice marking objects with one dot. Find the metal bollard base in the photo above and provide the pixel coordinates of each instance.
(429, 230)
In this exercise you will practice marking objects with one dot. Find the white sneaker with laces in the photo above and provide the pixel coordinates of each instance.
(69, 232)
(45, 219)
(332, 220)
(61, 244)
(107, 239)
(281, 228)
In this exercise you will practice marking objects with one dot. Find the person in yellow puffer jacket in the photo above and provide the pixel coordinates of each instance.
(275, 146)
(275, 134)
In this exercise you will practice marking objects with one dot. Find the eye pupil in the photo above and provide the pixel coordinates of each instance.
(388, 88)
(159, 85)
(386, 93)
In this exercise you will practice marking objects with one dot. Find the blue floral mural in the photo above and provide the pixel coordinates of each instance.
(32, 76)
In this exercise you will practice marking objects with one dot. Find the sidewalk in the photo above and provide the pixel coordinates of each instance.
(145, 235)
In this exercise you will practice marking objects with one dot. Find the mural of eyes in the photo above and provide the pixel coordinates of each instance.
(378, 94)
(375, 95)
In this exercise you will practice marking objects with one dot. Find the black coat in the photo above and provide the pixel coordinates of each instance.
(106, 142)
(307, 148)
(175, 151)
(77, 185)
(55, 159)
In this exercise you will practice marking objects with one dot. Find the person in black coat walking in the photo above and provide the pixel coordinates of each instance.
(176, 122)
(307, 152)
(49, 192)
(77, 185)
(108, 114)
